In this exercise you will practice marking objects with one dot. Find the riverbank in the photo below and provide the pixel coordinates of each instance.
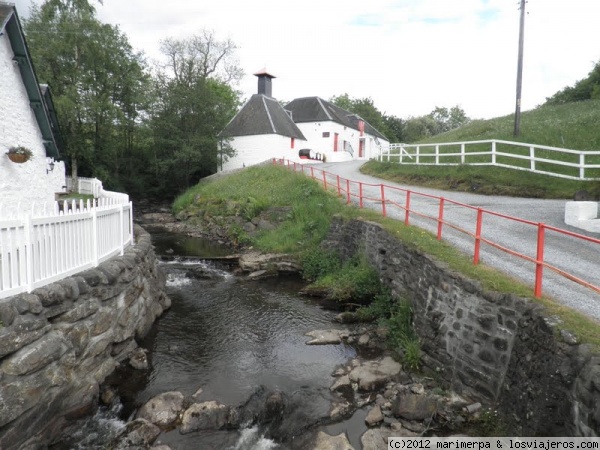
(372, 386)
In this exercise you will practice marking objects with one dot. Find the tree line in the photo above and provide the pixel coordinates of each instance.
(151, 129)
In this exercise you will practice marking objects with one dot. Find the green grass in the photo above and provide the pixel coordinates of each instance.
(312, 209)
(571, 126)
(256, 188)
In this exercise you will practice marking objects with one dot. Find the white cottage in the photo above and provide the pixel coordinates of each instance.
(27, 119)
(261, 130)
(331, 131)
(305, 129)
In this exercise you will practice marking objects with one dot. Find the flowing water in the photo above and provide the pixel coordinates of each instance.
(225, 335)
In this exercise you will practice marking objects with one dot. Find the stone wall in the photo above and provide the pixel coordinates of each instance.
(60, 341)
(497, 348)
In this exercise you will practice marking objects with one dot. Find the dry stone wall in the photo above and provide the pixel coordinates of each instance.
(498, 348)
(60, 341)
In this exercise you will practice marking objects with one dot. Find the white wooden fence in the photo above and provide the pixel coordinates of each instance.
(46, 243)
(93, 186)
(553, 161)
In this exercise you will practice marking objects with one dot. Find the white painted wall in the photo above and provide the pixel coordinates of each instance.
(251, 150)
(28, 182)
(313, 131)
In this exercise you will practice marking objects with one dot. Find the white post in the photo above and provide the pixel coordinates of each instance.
(131, 222)
(462, 153)
(532, 158)
(493, 153)
(121, 229)
(95, 236)
(582, 166)
(418, 153)
(29, 252)
(437, 155)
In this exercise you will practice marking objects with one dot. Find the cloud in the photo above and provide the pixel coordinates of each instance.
(407, 55)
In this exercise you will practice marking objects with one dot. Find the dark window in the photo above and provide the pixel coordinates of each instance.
(325, 133)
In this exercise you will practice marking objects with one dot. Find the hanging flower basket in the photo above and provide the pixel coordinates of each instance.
(19, 154)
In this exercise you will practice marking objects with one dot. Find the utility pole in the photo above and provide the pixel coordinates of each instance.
(520, 71)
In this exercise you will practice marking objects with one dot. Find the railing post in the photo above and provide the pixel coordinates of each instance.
(493, 153)
(312, 172)
(478, 236)
(462, 153)
(418, 153)
(407, 211)
(29, 252)
(131, 223)
(348, 191)
(532, 158)
(338, 185)
(582, 166)
(437, 155)
(360, 195)
(440, 219)
(95, 237)
(121, 228)
(539, 261)
(383, 208)
(324, 180)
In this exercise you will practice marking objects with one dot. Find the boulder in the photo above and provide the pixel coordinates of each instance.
(137, 434)
(326, 337)
(326, 442)
(414, 407)
(162, 410)
(138, 359)
(372, 375)
(376, 438)
(374, 417)
(204, 416)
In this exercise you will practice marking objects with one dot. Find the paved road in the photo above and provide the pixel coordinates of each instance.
(575, 256)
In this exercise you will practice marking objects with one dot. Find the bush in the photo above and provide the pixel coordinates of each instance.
(318, 263)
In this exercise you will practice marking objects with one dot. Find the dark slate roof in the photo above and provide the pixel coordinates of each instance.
(40, 102)
(262, 115)
(315, 109)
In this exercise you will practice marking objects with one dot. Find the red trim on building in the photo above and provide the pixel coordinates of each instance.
(335, 142)
(291, 142)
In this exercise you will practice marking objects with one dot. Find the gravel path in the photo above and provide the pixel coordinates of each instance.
(575, 256)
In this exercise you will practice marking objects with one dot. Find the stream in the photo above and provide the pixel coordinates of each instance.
(225, 335)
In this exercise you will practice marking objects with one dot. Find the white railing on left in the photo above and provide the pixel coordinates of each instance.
(46, 243)
(94, 187)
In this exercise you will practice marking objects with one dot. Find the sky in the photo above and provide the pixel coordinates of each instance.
(408, 56)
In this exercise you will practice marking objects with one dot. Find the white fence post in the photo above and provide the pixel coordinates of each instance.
(437, 155)
(121, 229)
(493, 152)
(462, 153)
(582, 166)
(131, 222)
(95, 237)
(28, 242)
(532, 158)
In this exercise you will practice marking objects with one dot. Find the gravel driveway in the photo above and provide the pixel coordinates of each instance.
(575, 256)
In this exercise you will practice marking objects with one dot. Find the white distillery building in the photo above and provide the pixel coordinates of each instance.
(306, 129)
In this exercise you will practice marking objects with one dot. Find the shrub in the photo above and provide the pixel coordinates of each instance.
(318, 263)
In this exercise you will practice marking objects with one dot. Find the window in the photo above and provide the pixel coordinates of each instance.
(325, 134)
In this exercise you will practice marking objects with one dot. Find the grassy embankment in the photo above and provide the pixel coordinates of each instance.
(573, 126)
(256, 189)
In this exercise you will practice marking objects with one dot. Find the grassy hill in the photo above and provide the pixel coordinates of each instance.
(573, 126)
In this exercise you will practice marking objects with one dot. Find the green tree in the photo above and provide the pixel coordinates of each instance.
(364, 108)
(448, 119)
(98, 83)
(585, 89)
(194, 99)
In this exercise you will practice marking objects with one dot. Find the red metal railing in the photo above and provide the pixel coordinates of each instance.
(343, 187)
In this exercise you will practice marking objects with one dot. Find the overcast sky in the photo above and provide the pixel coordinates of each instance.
(407, 55)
